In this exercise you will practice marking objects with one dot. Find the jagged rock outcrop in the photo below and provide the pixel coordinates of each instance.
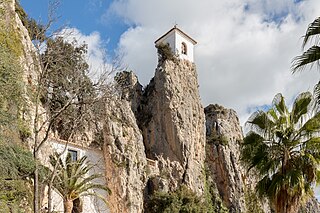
(224, 136)
(172, 120)
(125, 159)
(130, 89)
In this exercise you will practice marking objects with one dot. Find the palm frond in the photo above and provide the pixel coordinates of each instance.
(300, 106)
(313, 30)
(280, 104)
(259, 121)
(312, 125)
(312, 144)
(285, 151)
(87, 180)
(262, 186)
(249, 145)
(317, 93)
(87, 187)
(256, 153)
(273, 114)
(294, 177)
(308, 57)
(73, 180)
(318, 177)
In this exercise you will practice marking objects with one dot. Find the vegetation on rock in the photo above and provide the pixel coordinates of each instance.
(183, 200)
(12, 102)
(213, 202)
(252, 201)
(36, 31)
(17, 167)
(165, 52)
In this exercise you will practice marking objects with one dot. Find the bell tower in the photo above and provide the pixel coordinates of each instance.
(181, 44)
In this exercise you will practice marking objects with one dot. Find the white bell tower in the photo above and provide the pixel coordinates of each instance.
(180, 43)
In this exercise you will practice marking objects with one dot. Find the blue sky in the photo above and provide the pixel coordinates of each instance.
(85, 15)
(244, 50)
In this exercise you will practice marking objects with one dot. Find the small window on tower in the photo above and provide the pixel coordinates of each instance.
(73, 154)
(184, 48)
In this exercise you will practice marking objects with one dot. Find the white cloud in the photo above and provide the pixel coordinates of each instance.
(97, 57)
(244, 46)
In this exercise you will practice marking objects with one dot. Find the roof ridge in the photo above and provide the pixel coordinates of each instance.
(179, 30)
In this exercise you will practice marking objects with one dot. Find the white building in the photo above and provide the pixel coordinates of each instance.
(180, 43)
(90, 204)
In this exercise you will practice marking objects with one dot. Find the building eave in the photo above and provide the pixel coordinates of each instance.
(180, 31)
(72, 144)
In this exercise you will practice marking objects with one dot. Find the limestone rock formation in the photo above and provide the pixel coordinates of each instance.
(172, 120)
(224, 135)
(130, 89)
(125, 159)
(21, 45)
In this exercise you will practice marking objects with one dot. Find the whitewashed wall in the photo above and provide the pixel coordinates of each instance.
(175, 39)
(171, 40)
(190, 47)
(91, 204)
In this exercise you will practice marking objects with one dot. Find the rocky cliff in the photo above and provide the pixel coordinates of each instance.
(17, 55)
(163, 125)
(173, 125)
(224, 136)
(126, 162)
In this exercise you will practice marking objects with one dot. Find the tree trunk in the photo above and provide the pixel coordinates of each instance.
(49, 197)
(36, 184)
(68, 205)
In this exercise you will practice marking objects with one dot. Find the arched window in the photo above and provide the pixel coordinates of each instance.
(184, 48)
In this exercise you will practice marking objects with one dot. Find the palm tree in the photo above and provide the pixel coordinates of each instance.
(72, 180)
(283, 148)
(312, 55)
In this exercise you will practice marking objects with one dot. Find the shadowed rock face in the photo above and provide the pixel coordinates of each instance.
(125, 159)
(224, 136)
(173, 126)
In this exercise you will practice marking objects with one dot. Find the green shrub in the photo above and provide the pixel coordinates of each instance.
(252, 201)
(15, 196)
(17, 167)
(216, 139)
(182, 200)
(211, 195)
(15, 161)
(165, 52)
(11, 82)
